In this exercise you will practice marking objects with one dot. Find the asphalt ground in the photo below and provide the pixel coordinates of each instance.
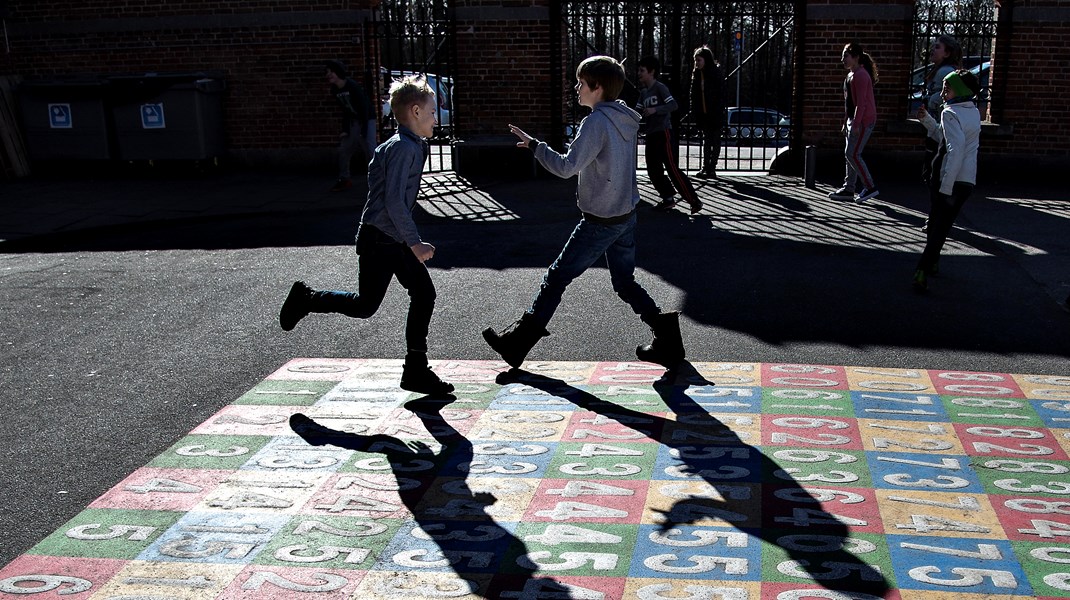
(133, 308)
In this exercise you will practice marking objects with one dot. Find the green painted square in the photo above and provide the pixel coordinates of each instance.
(591, 548)
(1033, 476)
(603, 461)
(1005, 412)
(815, 467)
(640, 398)
(1046, 566)
(329, 542)
(211, 452)
(424, 464)
(107, 533)
(825, 403)
(286, 393)
(474, 396)
(839, 564)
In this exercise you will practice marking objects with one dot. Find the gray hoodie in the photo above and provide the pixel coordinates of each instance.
(603, 153)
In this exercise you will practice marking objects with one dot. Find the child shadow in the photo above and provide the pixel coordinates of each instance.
(819, 549)
(473, 546)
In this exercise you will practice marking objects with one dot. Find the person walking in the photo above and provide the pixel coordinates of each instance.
(603, 155)
(860, 117)
(954, 168)
(707, 107)
(656, 106)
(356, 115)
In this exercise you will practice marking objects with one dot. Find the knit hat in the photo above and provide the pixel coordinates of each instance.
(959, 87)
(338, 68)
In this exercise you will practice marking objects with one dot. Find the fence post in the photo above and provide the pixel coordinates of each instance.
(810, 166)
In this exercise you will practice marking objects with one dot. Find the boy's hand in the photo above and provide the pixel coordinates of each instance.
(921, 113)
(525, 139)
(423, 251)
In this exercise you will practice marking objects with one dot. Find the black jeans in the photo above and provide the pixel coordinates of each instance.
(942, 216)
(380, 258)
(711, 144)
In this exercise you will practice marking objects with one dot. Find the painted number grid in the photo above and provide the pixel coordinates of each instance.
(591, 481)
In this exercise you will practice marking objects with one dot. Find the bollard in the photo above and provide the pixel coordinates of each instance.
(810, 166)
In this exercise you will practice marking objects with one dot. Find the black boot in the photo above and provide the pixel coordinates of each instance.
(667, 349)
(296, 306)
(417, 377)
(516, 341)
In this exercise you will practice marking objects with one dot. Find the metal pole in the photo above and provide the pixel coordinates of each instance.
(810, 166)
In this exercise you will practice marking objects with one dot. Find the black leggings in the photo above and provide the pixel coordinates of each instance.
(942, 216)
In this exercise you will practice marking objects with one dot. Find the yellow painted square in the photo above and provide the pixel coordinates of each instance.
(504, 499)
(642, 587)
(532, 426)
(939, 514)
(899, 381)
(264, 492)
(177, 580)
(730, 374)
(730, 504)
(885, 435)
(1044, 387)
(414, 585)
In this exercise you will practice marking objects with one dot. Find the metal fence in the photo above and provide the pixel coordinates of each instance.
(972, 23)
(416, 37)
(754, 42)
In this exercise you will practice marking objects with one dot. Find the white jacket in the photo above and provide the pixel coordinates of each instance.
(960, 130)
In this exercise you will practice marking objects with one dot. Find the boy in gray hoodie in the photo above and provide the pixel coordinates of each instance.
(603, 155)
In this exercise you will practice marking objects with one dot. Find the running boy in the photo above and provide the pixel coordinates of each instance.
(388, 244)
(603, 154)
(656, 105)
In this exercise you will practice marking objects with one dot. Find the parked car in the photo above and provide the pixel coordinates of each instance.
(746, 125)
(443, 87)
(917, 95)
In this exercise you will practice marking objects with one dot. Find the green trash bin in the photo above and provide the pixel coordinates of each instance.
(177, 116)
(65, 119)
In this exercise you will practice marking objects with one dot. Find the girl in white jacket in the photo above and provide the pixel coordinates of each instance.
(954, 168)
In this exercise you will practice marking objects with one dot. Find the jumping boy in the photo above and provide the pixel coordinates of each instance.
(388, 244)
(603, 154)
(656, 105)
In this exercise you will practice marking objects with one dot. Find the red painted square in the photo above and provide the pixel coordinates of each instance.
(857, 505)
(1019, 514)
(151, 488)
(71, 578)
(975, 385)
(807, 377)
(318, 369)
(572, 501)
(596, 428)
(1022, 443)
(826, 433)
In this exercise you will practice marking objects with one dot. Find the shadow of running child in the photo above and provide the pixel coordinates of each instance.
(820, 545)
(473, 546)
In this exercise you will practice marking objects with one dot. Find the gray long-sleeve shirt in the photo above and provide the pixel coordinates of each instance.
(658, 97)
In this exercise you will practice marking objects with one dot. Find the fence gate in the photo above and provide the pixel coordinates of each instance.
(752, 40)
(416, 37)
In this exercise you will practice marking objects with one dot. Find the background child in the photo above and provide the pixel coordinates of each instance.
(356, 120)
(707, 106)
(388, 244)
(656, 106)
(860, 116)
(955, 165)
(603, 154)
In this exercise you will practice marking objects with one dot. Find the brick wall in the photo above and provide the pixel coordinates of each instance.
(270, 54)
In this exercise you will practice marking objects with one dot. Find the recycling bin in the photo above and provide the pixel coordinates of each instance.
(65, 119)
(176, 116)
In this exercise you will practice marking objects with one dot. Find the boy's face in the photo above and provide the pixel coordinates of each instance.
(421, 118)
(645, 77)
(588, 96)
(334, 79)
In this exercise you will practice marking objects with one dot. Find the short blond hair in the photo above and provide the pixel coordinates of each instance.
(407, 91)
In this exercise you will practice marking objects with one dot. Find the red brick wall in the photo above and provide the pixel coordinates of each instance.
(270, 53)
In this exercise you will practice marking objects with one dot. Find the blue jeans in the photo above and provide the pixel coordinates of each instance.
(589, 242)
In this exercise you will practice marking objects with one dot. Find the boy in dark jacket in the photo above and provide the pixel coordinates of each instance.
(356, 114)
(388, 244)
(603, 155)
(656, 105)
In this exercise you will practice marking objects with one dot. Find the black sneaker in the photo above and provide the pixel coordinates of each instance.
(341, 185)
(844, 193)
(666, 203)
(296, 305)
(422, 380)
(921, 281)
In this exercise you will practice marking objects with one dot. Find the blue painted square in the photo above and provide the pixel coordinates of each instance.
(690, 552)
(518, 396)
(891, 475)
(957, 565)
(720, 399)
(449, 546)
(289, 453)
(502, 459)
(898, 407)
(714, 464)
(216, 538)
(1054, 413)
